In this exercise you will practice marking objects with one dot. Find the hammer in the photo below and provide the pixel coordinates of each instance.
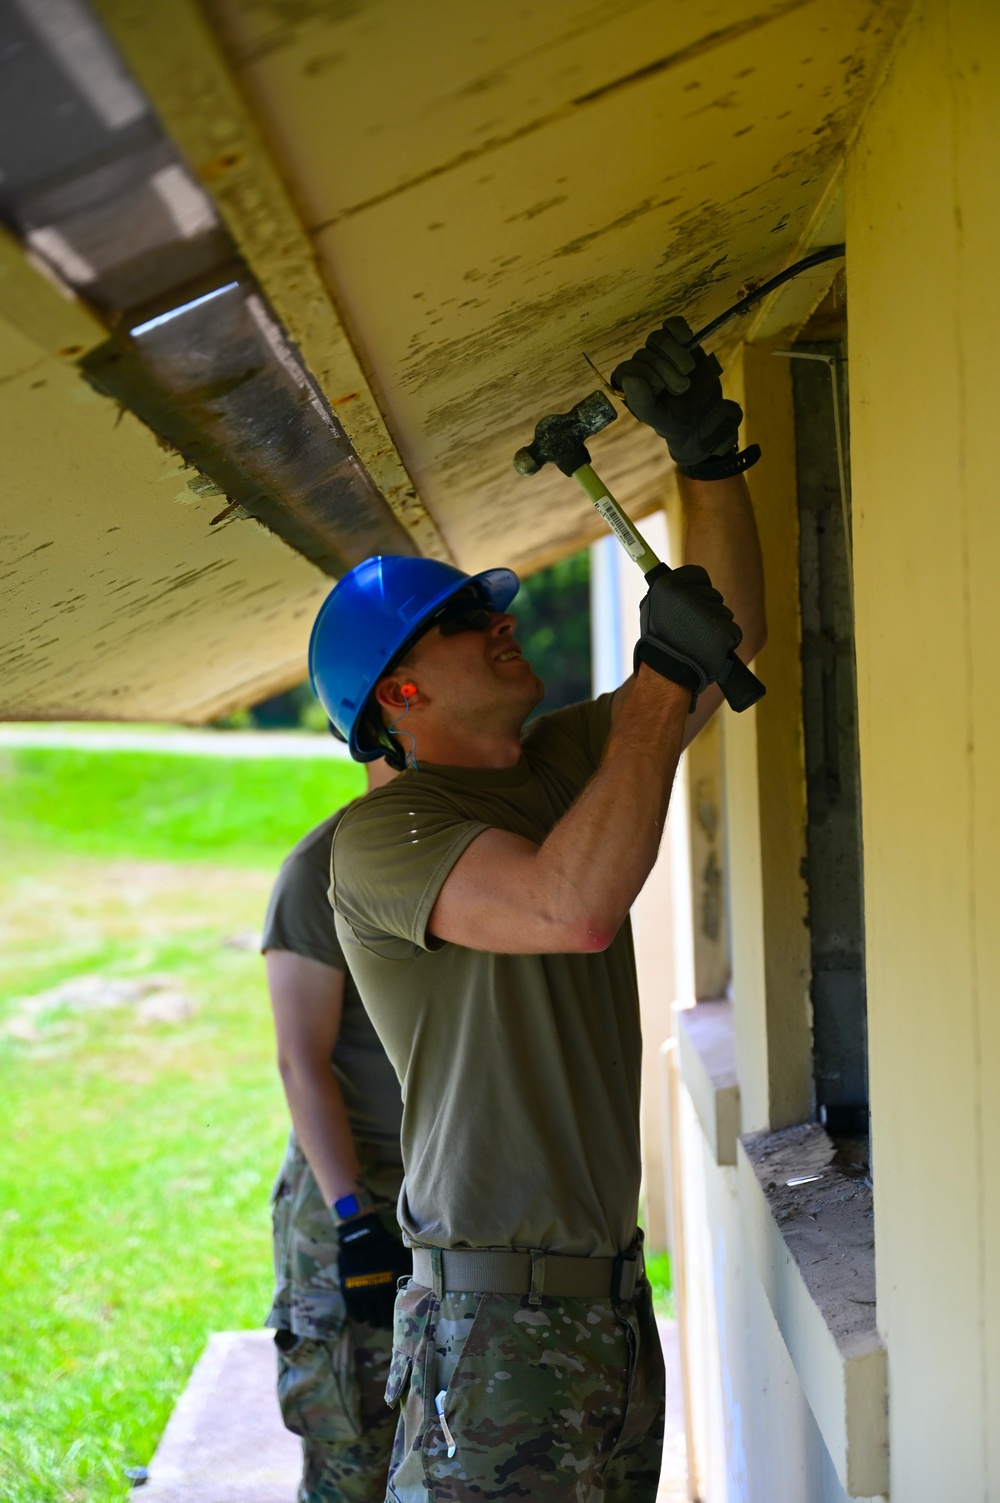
(560, 439)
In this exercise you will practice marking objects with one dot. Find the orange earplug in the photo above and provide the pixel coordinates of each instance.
(407, 689)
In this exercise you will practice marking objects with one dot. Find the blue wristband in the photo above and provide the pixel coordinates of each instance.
(352, 1205)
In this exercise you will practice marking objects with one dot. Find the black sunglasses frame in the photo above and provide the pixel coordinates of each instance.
(463, 611)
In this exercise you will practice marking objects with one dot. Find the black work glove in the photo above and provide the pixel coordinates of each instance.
(371, 1259)
(687, 629)
(675, 389)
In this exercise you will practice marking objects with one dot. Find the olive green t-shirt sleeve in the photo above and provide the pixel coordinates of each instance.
(392, 853)
(299, 916)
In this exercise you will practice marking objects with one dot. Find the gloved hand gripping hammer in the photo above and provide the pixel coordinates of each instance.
(560, 439)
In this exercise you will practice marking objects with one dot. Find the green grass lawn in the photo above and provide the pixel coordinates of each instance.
(162, 807)
(139, 1140)
(661, 1282)
(142, 1119)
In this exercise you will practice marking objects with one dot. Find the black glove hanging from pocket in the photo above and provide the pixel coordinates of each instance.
(371, 1260)
(675, 388)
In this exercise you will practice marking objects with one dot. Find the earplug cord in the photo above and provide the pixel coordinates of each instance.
(410, 758)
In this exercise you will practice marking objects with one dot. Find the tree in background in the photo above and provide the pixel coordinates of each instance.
(553, 627)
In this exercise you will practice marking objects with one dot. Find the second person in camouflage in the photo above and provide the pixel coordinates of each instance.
(333, 1362)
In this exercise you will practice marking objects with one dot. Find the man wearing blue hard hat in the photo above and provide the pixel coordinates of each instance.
(482, 902)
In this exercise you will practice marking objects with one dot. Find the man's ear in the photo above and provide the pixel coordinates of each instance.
(389, 694)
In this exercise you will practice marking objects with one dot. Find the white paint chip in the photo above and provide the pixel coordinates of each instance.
(187, 205)
(54, 248)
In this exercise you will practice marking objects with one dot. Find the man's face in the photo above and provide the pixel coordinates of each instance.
(470, 671)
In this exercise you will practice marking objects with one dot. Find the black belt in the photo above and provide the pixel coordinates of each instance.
(500, 1271)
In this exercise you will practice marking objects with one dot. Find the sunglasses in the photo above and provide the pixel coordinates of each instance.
(463, 612)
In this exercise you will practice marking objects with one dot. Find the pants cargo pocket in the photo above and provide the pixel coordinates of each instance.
(318, 1389)
(409, 1343)
(532, 1398)
(399, 1376)
(281, 1226)
(408, 1390)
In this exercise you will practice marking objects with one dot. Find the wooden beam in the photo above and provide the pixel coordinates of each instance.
(176, 60)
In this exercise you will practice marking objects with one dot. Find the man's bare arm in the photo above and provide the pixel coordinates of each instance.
(571, 893)
(307, 998)
(721, 535)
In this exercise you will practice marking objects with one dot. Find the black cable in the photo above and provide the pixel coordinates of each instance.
(827, 253)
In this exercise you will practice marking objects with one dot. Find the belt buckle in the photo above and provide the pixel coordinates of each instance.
(624, 1263)
(636, 1255)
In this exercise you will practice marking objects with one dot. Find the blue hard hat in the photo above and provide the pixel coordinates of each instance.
(370, 618)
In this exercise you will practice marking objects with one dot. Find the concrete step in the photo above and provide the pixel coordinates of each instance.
(225, 1443)
(673, 1477)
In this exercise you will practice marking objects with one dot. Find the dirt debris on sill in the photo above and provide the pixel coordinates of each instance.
(826, 1220)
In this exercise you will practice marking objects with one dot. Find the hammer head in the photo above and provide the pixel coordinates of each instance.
(561, 438)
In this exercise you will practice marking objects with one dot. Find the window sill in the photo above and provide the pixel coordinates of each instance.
(707, 1048)
(813, 1247)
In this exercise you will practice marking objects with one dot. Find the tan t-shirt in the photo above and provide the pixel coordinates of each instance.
(520, 1073)
(299, 919)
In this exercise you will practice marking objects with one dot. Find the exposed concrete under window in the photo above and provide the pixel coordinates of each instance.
(809, 1218)
(708, 1065)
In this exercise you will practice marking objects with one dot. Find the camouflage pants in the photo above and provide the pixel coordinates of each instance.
(332, 1371)
(561, 1401)
(331, 1393)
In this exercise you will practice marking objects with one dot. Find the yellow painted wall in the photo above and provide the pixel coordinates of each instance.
(753, 1435)
(765, 786)
(923, 235)
(754, 1438)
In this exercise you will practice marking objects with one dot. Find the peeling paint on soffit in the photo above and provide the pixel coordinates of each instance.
(492, 192)
(172, 54)
(120, 600)
(121, 596)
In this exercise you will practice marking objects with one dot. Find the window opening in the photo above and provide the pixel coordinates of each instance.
(830, 719)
